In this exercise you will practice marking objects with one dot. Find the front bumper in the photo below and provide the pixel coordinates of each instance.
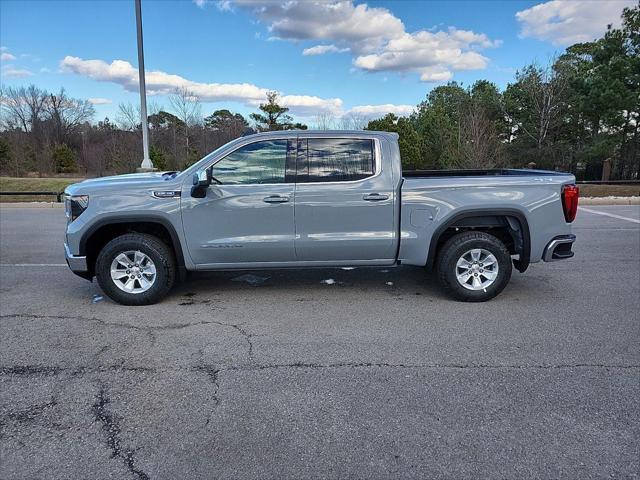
(559, 248)
(76, 263)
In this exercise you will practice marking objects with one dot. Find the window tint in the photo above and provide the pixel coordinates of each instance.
(259, 162)
(338, 159)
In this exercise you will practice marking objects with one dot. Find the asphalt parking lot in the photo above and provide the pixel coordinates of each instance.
(284, 375)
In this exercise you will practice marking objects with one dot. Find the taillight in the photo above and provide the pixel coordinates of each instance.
(570, 194)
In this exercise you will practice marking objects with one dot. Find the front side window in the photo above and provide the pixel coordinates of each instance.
(338, 159)
(255, 163)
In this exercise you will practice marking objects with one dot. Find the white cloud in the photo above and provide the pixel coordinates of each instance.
(11, 71)
(99, 101)
(360, 26)
(223, 5)
(322, 49)
(376, 37)
(380, 110)
(568, 22)
(162, 83)
(306, 105)
(435, 74)
(434, 55)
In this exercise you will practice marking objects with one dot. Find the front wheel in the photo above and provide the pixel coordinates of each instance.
(136, 269)
(474, 266)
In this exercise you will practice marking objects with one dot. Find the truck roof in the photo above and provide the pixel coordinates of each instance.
(322, 133)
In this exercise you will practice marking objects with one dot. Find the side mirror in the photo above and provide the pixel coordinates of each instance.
(201, 181)
(203, 178)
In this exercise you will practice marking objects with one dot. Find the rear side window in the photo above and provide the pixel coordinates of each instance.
(335, 159)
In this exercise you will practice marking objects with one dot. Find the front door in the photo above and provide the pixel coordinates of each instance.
(344, 202)
(248, 217)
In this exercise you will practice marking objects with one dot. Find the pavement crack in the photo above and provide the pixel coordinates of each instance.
(303, 365)
(111, 427)
(31, 370)
(102, 350)
(247, 336)
(29, 414)
(70, 317)
(149, 329)
(212, 373)
(45, 370)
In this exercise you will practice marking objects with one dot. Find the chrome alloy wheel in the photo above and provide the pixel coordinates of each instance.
(477, 269)
(133, 271)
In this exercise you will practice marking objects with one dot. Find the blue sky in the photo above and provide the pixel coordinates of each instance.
(370, 57)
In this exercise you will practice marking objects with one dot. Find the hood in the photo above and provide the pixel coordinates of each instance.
(118, 182)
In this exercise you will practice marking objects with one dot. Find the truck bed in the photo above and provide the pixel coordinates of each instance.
(433, 198)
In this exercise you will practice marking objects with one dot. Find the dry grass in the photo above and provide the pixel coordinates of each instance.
(11, 184)
(609, 190)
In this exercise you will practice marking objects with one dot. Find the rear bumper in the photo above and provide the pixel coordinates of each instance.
(559, 248)
(77, 264)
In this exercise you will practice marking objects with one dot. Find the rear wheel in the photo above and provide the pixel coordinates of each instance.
(474, 266)
(136, 269)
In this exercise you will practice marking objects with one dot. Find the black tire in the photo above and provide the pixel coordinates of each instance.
(456, 247)
(159, 252)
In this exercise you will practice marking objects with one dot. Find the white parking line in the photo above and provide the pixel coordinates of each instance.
(33, 264)
(612, 215)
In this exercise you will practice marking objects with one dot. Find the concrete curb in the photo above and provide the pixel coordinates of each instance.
(609, 201)
(31, 205)
(583, 201)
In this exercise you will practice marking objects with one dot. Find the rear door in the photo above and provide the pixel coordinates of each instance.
(344, 201)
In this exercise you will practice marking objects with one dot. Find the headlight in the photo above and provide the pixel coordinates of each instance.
(74, 205)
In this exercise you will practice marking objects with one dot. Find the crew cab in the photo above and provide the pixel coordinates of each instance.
(315, 199)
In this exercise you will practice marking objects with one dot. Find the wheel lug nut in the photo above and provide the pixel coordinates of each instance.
(133, 276)
(128, 271)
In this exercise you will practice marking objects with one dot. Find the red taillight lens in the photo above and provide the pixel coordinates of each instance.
(570, 194)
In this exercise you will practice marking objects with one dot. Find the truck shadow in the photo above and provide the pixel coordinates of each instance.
(393, 281)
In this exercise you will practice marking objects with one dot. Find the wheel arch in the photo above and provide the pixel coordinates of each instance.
(102, 231)
(511, 221)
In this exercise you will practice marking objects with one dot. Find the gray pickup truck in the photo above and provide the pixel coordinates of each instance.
(315, 199)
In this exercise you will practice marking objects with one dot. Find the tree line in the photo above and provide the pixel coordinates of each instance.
(571, 114)
(44, 133)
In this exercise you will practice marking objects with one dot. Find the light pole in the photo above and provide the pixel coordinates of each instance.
(146, 166)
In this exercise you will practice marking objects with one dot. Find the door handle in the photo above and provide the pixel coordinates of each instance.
(275, 199)
(375, 197)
